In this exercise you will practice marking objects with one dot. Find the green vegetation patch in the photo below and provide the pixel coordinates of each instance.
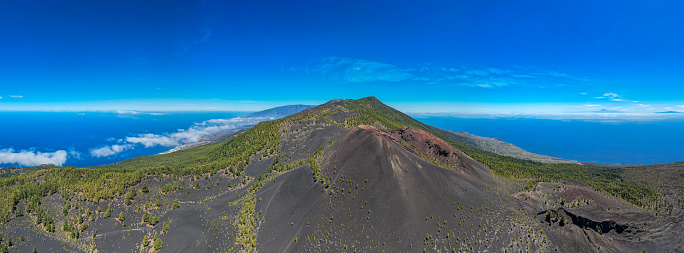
(608, 180)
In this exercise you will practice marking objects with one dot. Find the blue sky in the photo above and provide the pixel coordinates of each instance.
(454, 57)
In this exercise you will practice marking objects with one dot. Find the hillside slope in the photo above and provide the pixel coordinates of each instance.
(381, 196)
(349, 175)
(498, 147)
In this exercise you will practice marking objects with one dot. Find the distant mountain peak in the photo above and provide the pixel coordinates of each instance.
(280, 111)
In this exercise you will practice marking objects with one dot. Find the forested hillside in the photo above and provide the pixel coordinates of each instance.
(277, 146)
(608, 180)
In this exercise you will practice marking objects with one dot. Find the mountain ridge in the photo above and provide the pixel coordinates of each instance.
(348, 175)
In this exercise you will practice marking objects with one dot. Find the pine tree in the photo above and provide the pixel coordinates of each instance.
(157, 242)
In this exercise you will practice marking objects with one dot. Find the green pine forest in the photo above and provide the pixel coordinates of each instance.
(112, 182)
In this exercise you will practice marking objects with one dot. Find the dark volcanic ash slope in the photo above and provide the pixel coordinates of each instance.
(437, 150)
(383, 197)
(334, 179)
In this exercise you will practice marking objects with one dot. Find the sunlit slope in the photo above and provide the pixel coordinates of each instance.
(610, 180)
(335, 177)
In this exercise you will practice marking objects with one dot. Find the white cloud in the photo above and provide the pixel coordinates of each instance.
(583, 93)
(0, 97)
(591, 105)
(347, 70)
(615, 97)
(151, 140)
(208, 130)
(109, 150)
(350, 71)
(32, 158)
(611, 95)
(682, 106)
(132, 112)
(16, 96)
(475, 72)
(196, 133)
(73, 153)
(126, 112)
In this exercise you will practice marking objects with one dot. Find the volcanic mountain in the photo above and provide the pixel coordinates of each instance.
(345, 176)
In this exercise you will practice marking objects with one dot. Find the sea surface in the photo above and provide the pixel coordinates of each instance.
(78, 133)
(97, 138)
(628, 142)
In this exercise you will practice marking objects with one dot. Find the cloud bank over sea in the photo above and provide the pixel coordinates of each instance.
(32, 158)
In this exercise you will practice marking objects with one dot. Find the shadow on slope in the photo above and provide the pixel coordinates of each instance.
(381, 197)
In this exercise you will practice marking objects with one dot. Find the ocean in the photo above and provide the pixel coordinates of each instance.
(627, 142)
(91, 138)
(97, 138)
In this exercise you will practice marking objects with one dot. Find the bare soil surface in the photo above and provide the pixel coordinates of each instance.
(585, 220)
(384, 197)
(364, 189)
